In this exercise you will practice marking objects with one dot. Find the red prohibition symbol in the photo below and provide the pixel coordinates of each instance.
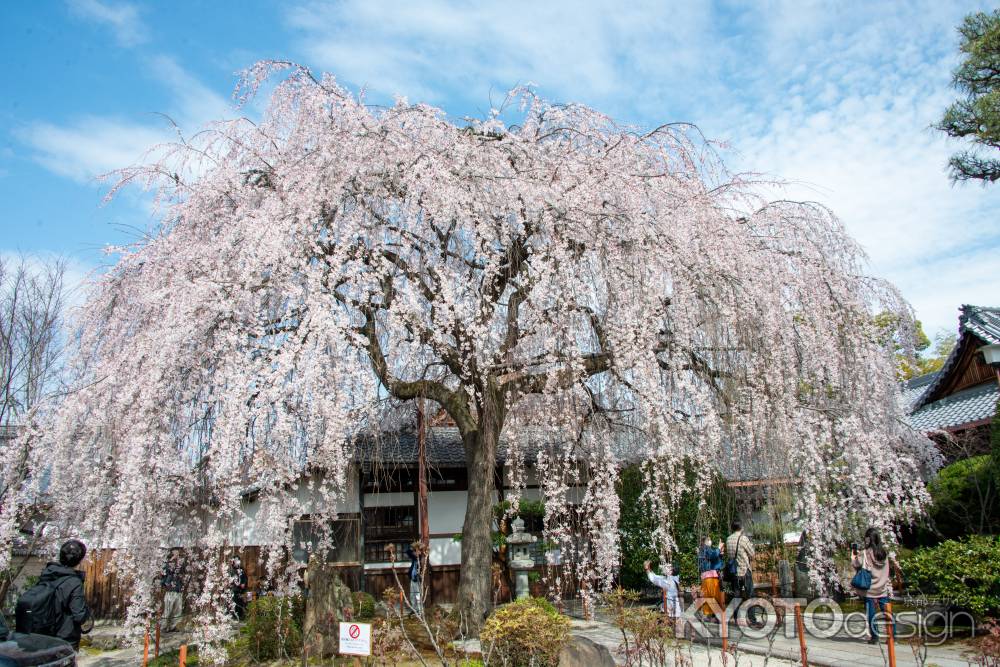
(354, 631)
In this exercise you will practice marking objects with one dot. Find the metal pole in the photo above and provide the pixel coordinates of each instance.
(801, 628)
(183, 655)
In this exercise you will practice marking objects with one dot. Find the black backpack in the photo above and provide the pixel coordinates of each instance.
(39, 609)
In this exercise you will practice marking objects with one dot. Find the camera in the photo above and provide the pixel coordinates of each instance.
(855, 547)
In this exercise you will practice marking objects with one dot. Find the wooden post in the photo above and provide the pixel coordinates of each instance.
(425, 530)
(183, 655)
(889, 633)
(801, 629)
(724, 631)
(723, 625)
(145, 650)
(156, 651)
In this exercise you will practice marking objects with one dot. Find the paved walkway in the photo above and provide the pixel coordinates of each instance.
(782, 646)
(838, 651)
(128, 657)
(697, 655)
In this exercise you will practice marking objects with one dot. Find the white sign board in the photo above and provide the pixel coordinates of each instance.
(355, 639)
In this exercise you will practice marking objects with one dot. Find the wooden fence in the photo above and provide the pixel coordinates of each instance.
(106, 592)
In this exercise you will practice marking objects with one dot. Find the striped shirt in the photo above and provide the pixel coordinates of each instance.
(744, 556)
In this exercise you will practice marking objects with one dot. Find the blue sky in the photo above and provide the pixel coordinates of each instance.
(835, 101)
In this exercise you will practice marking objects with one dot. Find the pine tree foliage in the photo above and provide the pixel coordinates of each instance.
(976, 115)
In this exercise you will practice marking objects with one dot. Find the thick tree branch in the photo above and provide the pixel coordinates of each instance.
(455, 402)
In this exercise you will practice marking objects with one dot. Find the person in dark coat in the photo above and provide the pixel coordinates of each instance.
(68, 583)
(238, 581)
(414, 552)
(172, 581)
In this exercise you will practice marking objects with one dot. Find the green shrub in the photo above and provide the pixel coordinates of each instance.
(273, 630)
(965, 498)
(172, 658)
(963, 572)
(525, 632)
(364, 605)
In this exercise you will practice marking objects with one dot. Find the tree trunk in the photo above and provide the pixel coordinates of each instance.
(474, 587)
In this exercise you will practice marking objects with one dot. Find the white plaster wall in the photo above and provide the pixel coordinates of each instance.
(247, 529)
(574, 495)
(446, 511)
(33, 566)
(403, 567)
(311, 499)
(445, 551)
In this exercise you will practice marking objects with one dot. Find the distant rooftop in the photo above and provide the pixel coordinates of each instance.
(976, 325)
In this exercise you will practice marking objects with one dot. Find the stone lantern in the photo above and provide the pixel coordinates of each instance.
(521, 562)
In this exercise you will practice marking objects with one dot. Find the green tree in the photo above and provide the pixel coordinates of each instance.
(966, 499)
(976, 115)
(924, 359)
(934, 360)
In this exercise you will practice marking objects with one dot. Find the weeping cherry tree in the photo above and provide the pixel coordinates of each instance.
(559, 277)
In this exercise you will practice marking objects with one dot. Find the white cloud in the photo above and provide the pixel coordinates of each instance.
(122, 18)
(194, 102)
(851, 125)
(91, 146)
(434, 49)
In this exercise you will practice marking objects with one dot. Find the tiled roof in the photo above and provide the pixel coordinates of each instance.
(978, 321)
(969, 405)
(444, 447)
(914, 388)
(983, 322)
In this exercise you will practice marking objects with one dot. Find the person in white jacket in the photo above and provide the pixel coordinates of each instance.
(671, 584)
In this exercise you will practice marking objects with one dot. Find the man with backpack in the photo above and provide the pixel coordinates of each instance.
(739, 571)
(55, 606)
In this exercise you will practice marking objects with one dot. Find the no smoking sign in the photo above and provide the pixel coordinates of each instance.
(355, 639)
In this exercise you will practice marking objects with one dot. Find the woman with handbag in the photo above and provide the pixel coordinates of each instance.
(872, 581)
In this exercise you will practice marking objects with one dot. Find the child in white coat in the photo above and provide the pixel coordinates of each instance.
(671, 584)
